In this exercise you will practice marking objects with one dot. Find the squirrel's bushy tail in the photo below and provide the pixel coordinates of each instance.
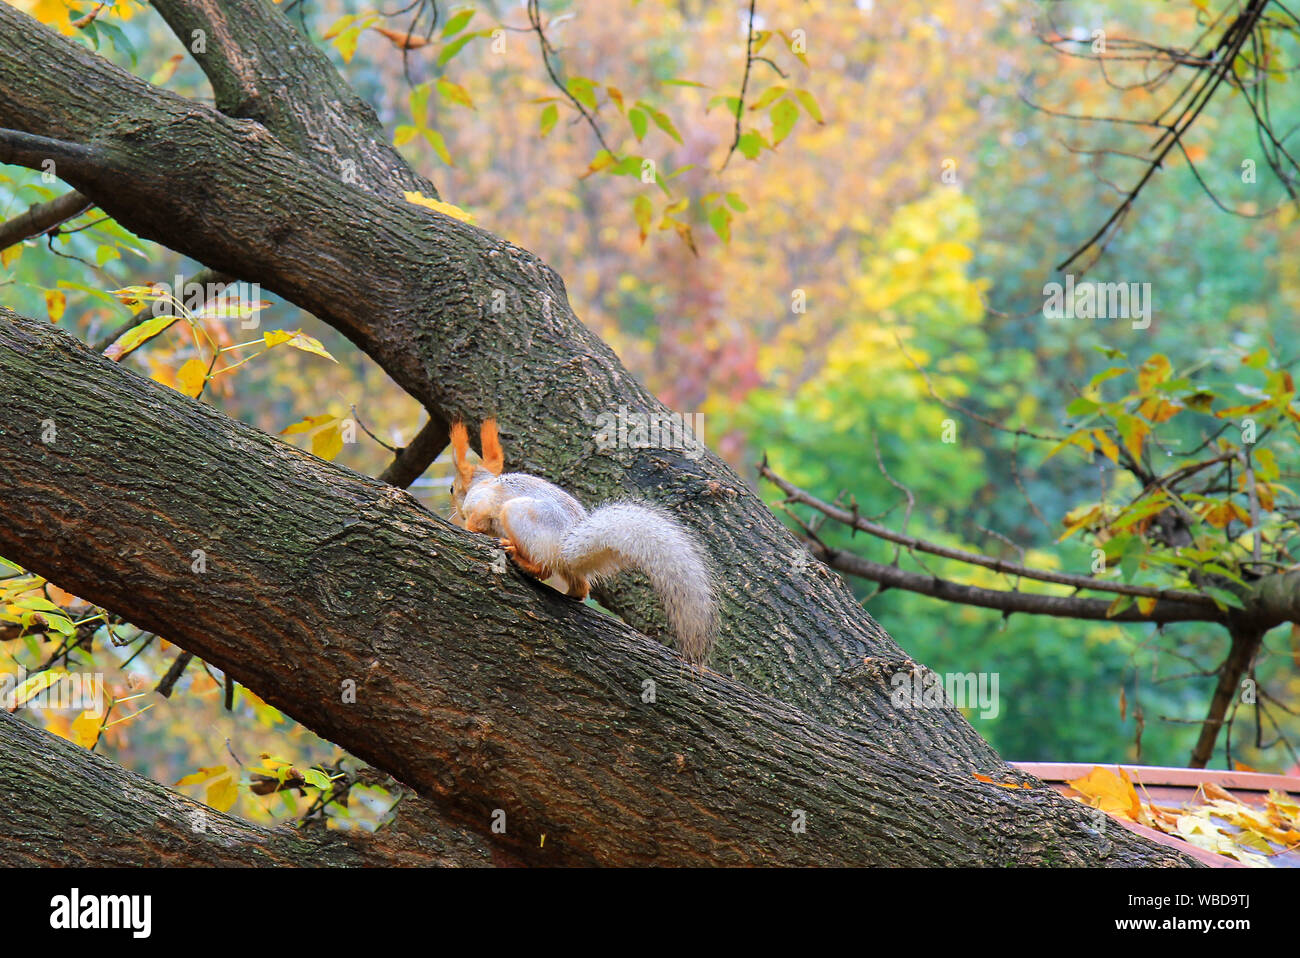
(624, 534)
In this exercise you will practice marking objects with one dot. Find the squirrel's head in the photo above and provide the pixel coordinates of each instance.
(467, 473)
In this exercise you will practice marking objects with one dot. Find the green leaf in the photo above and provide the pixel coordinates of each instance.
(459, 20)
(98, 294)
(784, 115)
(732, 103)
(454, 47)
(454, 93)
(120, 40)
(628, 166)
(735, 202)
(1106, 374)
(644, 213)
(439, 145)
(664, 123)
(317, 779)
(809, 104)
(768, 97)
(640, 124)
(420, 103)
(1227, 573)
(1121, 603)
(584, 91)
(550, 113)
(751, 144)
(720, 220)
(1256, 360)
(1128, 566)
(1082, 406)
(1222, 597)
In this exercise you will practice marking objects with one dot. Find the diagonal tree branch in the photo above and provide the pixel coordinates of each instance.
(40, 218)
(262, 68)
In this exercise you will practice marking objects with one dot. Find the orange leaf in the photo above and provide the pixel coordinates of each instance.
(401, 39)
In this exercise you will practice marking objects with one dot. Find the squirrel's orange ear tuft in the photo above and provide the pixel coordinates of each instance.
(460, 449)
(494, 459)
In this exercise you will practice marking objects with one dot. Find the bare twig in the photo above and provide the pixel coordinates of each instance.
(795, 494)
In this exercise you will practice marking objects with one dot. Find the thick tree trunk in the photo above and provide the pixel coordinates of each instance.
(339, 600)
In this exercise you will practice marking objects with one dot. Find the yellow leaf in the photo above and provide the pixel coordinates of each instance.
(138, 335)
(328, 442)
(298, 340)
(53, 13)
(1113, 794)
(1106, 445)
(33, 686)
(222, 793)
(325, 431)
(446, 209)
(202, 775)
(167, 70)
(191, 377)
(308, 424)
(1134, 436)
(55, 303)
(1146, 604)
(1155, 370)
(85, 729)
(454, 92)
(9, 255)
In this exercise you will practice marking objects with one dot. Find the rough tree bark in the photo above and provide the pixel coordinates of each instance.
(416, 290)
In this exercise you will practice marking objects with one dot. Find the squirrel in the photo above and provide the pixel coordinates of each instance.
(548, 532)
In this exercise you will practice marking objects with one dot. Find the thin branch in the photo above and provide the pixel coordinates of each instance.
(744, 85)
(535, 19)
(1007, 602)
(795, 494)
(957, 407)
(414, 458)
(40, 218)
